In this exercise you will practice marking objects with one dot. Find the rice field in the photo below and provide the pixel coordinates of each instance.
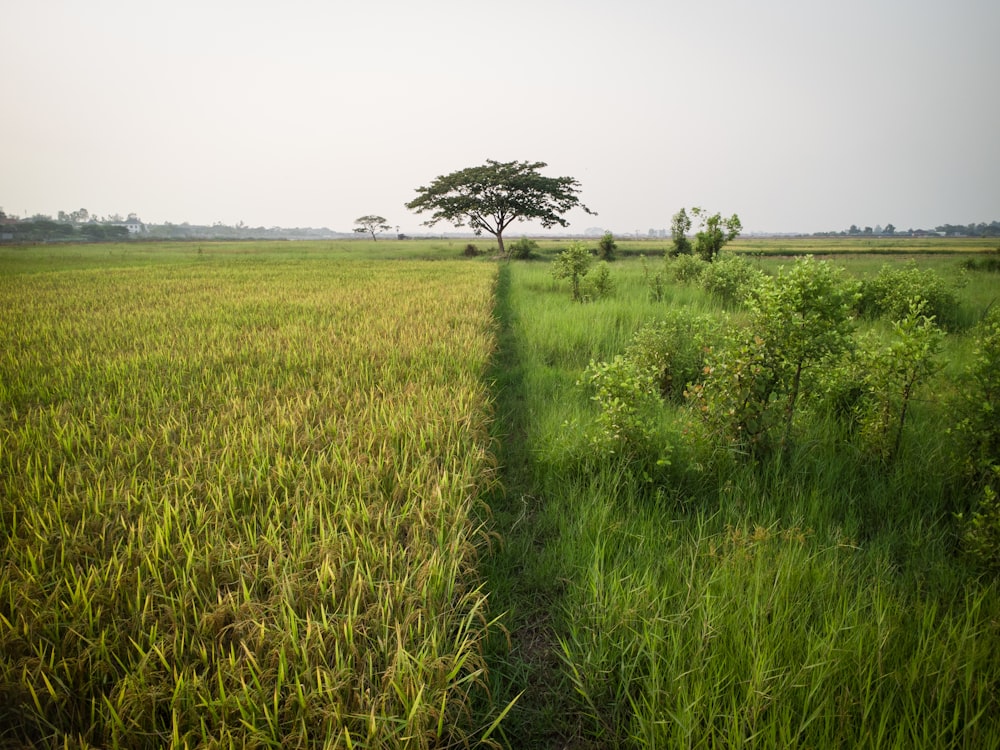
(239, 500)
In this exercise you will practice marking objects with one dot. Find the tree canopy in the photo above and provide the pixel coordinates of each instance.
(492, 196)
(370, 224)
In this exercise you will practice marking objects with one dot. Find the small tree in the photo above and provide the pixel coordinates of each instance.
(806, 311)
(573, 264)
(890, 376)
(679, 227)
(371, 224)
(714, 233)
(606, 247)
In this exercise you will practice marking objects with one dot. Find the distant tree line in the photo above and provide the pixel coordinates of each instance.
(982, 229)
(47, 230)
(83, 226)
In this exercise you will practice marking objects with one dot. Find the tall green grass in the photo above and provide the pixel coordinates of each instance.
(815, 601)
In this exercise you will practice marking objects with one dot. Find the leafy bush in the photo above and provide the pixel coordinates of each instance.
(732, 279)
(979, 440)
(798, 320)
(626, 393)
(598, 285)
(606, 247)
(523, 249)
(890, 375)
(890, 293)
(736, 400)
(807, 313)
(686, 268)
(674, 348)
(981, 532)
(990, 263)
(471, 251)
(980, 423)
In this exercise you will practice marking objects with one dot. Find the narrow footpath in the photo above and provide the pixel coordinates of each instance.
(522, 583)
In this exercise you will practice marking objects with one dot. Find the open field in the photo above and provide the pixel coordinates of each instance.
(237, 499)
(354, 495)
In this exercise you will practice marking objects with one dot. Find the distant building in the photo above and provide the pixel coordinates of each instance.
(133, 225)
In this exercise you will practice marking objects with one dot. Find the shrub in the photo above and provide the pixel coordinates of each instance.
(981, 532)
(626, 393)
(735, 401)
(798, 320)
(979, 441)
(731, 279)
(980, 407)
(523, 249)
(890, 375)
(989, 263)
(807, 312)
(471, 251)
(890, 293)
(598, 285)
(606, 247)
(686, 268)
(674, 348)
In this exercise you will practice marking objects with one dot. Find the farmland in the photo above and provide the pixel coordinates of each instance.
(358, 495)
(238, 499)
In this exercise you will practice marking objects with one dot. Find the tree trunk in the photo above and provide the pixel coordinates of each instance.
(499, 237)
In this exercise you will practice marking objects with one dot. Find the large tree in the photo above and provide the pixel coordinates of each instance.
(494, 195)
(371, 224)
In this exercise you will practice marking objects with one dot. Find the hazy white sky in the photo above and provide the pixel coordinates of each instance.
(798, 115)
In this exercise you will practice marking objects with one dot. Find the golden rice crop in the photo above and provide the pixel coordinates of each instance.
(237, 504)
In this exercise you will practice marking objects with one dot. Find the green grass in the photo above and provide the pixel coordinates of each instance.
(817, 602)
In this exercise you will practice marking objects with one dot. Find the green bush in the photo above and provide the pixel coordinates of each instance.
(981, 531)
(798, 320)
(598, 284)
(979, 442)
(626, 394)
(735, 404)
(686, 268)
(806, 312)
(890, 292)
(890, 375)
(979, 406)
(606, 247)
(731, 279)
(523, 249)
(674, 348)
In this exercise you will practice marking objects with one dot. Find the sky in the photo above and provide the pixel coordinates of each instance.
(800, 116)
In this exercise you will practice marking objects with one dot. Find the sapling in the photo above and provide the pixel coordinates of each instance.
(573, 264)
